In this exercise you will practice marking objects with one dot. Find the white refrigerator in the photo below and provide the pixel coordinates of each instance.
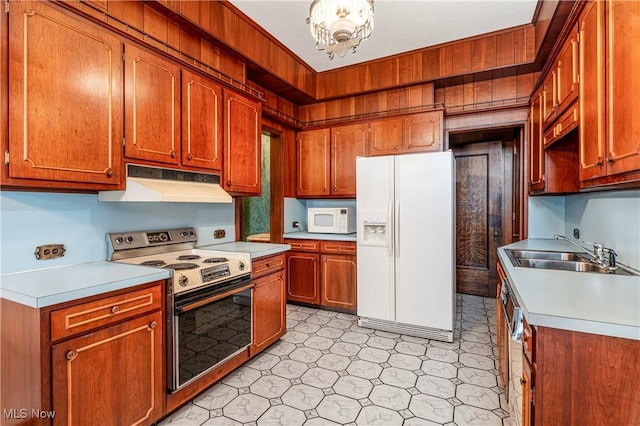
(406, 244)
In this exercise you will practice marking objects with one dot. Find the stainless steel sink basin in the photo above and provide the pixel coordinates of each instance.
(561, 261)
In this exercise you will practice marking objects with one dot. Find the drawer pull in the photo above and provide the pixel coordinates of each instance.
(523, 381)
(115, 309)
(153, 325)
(71, 355)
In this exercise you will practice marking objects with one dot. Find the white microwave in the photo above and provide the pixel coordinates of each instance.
(332, 220)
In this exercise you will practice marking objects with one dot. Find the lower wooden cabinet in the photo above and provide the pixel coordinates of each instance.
(322, 273)
(114, 373)
(502, 332)
(269, 302)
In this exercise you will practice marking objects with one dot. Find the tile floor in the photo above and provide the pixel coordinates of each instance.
(327, 370)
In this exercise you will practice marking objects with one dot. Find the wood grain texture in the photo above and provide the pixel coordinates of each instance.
(269, 310)
(347, 143)
(302, 277)
(338, 281)
(313, 150)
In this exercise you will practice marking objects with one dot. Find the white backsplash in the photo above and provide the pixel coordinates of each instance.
(611, 218)
(80, 222)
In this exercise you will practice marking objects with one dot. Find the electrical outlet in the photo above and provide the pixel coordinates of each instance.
(219, 233)
(49, 251)
(295, 224)
(576, 233)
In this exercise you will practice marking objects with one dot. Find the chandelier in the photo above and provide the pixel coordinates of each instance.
(340, 25)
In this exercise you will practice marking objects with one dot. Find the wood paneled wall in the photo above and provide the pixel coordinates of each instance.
(371, 104)
(492, 51)
(495, 93)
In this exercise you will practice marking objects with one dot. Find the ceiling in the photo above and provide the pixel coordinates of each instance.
(399, 25)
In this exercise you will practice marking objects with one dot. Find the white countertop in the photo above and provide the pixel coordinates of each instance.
(45, 287)
(317, 236)
(606, 304)
(254, 249)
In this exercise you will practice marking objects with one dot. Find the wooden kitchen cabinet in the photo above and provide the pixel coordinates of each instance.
(269, 301)
(242, 168)
(326, 160)
(322, 273)
(609, 130)
(423, 132)
(96, 374)
(536, 146)
(313, 152)
(65, 101)
(560, 86)
(152, 107)
(502, 333)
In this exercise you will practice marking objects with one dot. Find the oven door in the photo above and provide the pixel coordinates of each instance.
(515, 324)
(208, 326)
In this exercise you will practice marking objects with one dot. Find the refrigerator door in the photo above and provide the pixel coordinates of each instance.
(374, 213)
(425, 211)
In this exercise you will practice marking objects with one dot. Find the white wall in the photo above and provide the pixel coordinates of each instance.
(80, 222)
(611, 218)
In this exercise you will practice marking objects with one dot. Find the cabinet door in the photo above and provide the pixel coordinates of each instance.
(567, 73)
(386, 137)
(201, 122)
(152, 107)
(313, 155)
(536, 148)
(347, 142)
(242, 145)
(423, 132)
(549, 99)
(65, 98)
(591, 129)
(502, 333)
(269, 311)
(302, 277)
(527, 394)
(623, 86)
(95, 375)
(338, 281)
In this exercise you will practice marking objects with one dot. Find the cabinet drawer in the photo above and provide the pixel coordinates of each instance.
(339, 247)
(267, 265)
(88, 316)
(303, 245)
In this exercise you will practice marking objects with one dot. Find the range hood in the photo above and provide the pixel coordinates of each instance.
(152, 184)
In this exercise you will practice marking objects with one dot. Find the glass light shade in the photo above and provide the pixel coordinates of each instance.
(339, 25)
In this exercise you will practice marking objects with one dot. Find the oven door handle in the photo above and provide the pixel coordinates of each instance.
(212, 299)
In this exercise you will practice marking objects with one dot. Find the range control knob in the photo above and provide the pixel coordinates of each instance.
(183, 281)
(119, 240)
(241, 265)
(129, 239)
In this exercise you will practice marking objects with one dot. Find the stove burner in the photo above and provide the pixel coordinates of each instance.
(156, 262)
(188, 257)
(216, 260)
(182, 266)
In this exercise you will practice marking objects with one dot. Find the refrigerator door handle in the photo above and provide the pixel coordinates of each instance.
(388, 228)
(396, 228)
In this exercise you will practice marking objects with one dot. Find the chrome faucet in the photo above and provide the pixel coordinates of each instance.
(598, 256)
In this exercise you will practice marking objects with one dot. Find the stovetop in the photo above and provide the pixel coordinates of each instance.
(173, 249)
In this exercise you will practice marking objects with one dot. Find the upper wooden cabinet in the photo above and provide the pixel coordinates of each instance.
(152, 107)
(326, 160)
(609, 58)
(414, 133)
(242, 145)
(65, 100)
(536, 146)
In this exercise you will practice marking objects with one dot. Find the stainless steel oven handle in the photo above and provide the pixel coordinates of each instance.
(516, 326)
(211, 299)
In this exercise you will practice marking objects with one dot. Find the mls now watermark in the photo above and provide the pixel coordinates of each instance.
(23, 413)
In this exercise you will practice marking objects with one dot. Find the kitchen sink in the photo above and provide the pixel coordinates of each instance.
(561, 261)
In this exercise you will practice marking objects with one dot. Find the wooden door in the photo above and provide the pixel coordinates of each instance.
(114, 373)
(269, 310)
(592, 104)
(202, 122)
(423, 132)
(242, 168)
(302, 277)
(338, 281)
(536, 146)
(347, 143)
(479, 198)
(152, 107)
(385, 137)
(623, 86)
(65, 98)
(313, 162)
(567, 73)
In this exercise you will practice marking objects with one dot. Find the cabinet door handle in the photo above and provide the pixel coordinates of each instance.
(115, 309)
(173, 154)
(153, 325)
(523, 381)
(189, 157)
(71, 355)
(609, 160)
(228, 183)
(598, 163)
(109, 173)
